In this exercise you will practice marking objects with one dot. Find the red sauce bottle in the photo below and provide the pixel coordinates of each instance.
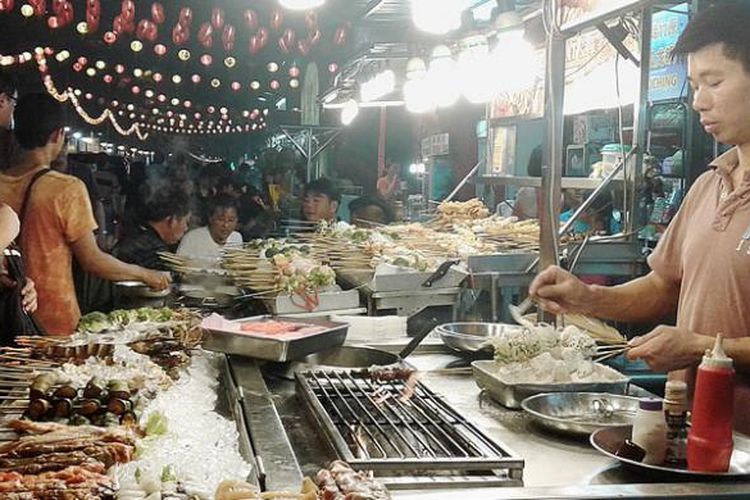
(710, 438)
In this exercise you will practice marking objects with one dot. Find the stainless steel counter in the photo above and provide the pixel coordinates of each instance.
(556, 466)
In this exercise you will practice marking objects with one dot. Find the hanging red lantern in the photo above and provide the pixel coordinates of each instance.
(186, 17)
(315, 37)
(147, 30)
(180, 34)
(110, 38)
(160, 49)
(275, 85)
(6, 6)
(93, 14)
(118, 25)
(157, 13)
(76, 66)
(83, 61)
(254, 46)
(128, 28)
(206, 59)
(286, 42)
(277, 19)
(108, 79)
(217, 18)
(228, 37)
(127, 11)
(294, 72)
(263, 36)
(40, 7)
(205, 35)
(53, 22)
(304, 47)
(251, 19)
(340, 36)
(311, 20)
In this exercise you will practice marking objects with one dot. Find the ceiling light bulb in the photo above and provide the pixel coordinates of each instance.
(136, 46)
(302, 4)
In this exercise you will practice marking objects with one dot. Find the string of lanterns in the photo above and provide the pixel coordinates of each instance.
(215, 30)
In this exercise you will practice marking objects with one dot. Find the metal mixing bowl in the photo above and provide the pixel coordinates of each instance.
(470, 337)
(580, 413)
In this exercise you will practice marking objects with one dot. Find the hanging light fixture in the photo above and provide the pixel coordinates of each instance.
(302, 4)
(437, 16)
(417, 87)
(443, 77)
(475, 65)
(349, 112)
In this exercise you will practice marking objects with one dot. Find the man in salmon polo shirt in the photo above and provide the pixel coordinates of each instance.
(58, 221)
(701, 267)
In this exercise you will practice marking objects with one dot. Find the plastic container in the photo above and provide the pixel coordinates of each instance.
(650, 430)
(710, 440)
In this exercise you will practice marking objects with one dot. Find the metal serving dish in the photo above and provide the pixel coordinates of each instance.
(580, 413)
(343, 358)
(277, 349)
(471, 337)
(511, 395)
(609, 440)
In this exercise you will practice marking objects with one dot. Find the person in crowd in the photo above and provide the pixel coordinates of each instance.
(320, 201)
(167, 213)
(372, 209)
(58, 222)
(9, 229)
(207, 242)
(8, 98)
(700, 267)
(390, 181)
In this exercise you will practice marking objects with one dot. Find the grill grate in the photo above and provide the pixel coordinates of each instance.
(373, 426)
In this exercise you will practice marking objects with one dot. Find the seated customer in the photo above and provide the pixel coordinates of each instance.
(320, 201)
(370, 209)
(207, 242)
(167, 214)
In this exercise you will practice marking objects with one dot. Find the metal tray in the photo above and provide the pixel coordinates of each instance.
(503, 263)
(328, 301)
(511, 395)
(402, 281)
(580, 413)
(608, 441)
(278, 350)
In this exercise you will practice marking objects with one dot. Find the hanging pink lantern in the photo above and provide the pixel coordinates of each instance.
(275, 85)
(53, 22)
(217, 18)
(251, 19)
(93, 14)
(277, 19)
(186, 17)
(207, 60)
(108, 79)
(254, 46)
(127, 11)
(118, 25)
(228, 37)
(160, 49)
(263, 36)
(157, 13)
(40, 7)
(294, 72)
(315, 37)
(286, 42)
(119, 69)
(304, 47)
(311, 20)
(341, 34)
(205, 35)
(236, 86)
(196, 79)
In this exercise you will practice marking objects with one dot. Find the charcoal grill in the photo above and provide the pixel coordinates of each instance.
(419, 441)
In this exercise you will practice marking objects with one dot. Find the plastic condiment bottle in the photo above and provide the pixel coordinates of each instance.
(650, 430)
(710, 437)
(675, 413)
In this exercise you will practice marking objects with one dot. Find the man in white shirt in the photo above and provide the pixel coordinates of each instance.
(206, 243)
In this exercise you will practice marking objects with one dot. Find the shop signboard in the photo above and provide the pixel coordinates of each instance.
(436, 145)
(667, 78)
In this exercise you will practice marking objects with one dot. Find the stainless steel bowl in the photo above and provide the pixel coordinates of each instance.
(580, 413)
(471, 337)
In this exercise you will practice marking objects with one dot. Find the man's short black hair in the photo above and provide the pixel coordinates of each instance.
(36, 117)
(8, 84)
(220, 203)
(166, 202)
(725, 23)
(376, 201)
(325, 187)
